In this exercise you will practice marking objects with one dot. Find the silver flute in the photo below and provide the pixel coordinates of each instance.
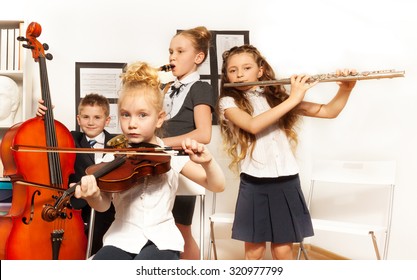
(329, 77)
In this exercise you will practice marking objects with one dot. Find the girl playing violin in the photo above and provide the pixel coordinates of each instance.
(144, 227)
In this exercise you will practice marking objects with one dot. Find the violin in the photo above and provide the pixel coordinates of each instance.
(125, 171)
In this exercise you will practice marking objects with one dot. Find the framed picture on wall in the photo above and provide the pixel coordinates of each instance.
(101, 78)
(225, 41)
(210, 70)
(221, 41)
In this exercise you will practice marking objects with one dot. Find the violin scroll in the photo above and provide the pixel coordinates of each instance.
(51, 213)
(117, 142)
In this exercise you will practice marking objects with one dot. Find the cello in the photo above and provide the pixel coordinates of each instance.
(24, 233)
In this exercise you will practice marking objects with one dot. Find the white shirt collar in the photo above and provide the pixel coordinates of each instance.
(99, 138)
(190, 78)
(256, 91)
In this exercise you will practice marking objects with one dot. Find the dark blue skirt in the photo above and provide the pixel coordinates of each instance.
(271, 210)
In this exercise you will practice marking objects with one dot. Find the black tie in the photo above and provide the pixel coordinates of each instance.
(175, 90)
(92, 142)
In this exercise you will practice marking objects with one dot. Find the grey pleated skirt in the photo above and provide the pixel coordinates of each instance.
(271, 210)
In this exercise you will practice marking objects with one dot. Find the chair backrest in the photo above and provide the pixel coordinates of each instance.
(188, 187)
(353, 197)
(355, 172)
(351, 191)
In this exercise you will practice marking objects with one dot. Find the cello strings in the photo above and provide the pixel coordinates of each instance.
(54, 160)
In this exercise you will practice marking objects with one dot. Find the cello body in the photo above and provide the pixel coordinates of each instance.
(30, 237)
(25, 235)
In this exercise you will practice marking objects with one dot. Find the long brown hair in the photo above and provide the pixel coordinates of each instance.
(234, 137)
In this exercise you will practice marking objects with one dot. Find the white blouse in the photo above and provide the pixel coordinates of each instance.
(272, 156)
(144, 213)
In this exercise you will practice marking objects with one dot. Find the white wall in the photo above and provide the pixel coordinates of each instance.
(296, 37)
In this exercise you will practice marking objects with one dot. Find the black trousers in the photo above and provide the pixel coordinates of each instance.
(148, 252)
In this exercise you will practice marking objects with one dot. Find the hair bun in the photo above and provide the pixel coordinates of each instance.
(140, 73)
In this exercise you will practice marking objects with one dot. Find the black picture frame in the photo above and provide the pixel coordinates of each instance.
(216, 52)
(102, 78)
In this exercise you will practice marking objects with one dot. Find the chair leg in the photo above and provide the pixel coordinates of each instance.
(212, 241)
(210, 244)
(90, 233)
(302, 249)
(202, 217)
(378, 256)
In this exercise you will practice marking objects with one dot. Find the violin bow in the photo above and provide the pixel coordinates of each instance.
(157, 151)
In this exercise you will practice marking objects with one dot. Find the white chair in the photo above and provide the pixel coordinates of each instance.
(189, 188)
(217, 217)
(374, 175)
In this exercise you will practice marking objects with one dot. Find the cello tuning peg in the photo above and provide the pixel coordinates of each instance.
(21, 38)
(28, 46)
(45, 46)
(49, 56)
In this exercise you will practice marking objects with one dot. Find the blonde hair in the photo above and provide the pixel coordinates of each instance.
(234, 137)
(141, 78)
(200, 38)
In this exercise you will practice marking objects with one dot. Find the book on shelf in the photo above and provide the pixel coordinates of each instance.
(3, 49)
(17, 48)
(21, 33)
(10, 49)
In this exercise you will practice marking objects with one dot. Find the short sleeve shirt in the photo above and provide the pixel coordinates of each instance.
(195, 93)
(272, 156)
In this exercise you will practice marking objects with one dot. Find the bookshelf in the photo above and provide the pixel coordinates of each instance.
(16, 73)
(5, 195)
(12, 66)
